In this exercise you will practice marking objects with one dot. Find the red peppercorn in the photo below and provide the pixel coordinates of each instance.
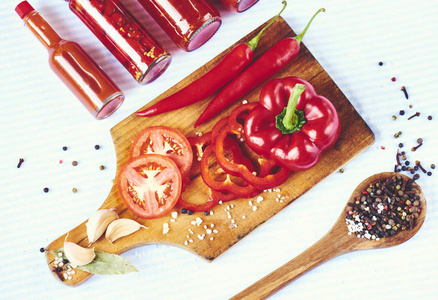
(393, 79)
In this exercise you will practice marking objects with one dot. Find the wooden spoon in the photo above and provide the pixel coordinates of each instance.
(336, 242)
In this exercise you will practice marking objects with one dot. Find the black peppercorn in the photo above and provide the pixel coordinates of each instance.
(64, 148)
(46, 190)
(183, 211)
(97, 147)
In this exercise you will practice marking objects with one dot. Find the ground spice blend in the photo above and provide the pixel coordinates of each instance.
(384, 208)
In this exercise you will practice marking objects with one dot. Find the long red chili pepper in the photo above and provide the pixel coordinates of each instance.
(270, 63)
(228, 68)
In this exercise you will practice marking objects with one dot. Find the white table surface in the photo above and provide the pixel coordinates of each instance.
(39, 116)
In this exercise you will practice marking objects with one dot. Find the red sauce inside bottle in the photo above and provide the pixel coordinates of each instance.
(120, 32)
(189, 24)
(79, 72)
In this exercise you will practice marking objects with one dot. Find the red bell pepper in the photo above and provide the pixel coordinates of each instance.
(292, 124)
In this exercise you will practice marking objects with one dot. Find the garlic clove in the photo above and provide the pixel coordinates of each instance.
(120, 228)
(98, 223)
(77, 255)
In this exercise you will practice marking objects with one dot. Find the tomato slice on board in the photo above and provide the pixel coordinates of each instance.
(150, 185)
(165, 141)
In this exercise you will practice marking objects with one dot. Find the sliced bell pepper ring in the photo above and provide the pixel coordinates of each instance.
(211, 202)
(292, 125)
(229, 184)
(199, 143)
(267, 174)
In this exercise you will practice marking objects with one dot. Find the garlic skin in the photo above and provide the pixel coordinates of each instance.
(98, 222)
(77, 255)
(120, 228)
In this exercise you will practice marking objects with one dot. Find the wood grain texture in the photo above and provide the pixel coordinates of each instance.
(336, 242)
(355, 137)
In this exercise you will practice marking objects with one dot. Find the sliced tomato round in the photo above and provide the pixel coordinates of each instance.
(150, 185)
(165, 141)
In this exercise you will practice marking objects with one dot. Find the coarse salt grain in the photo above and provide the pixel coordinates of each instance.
(165, 228)
(254, 208)
(208, 231)
(259, 199)
(174, 214)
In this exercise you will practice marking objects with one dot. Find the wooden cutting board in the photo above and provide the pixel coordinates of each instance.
(230, 221)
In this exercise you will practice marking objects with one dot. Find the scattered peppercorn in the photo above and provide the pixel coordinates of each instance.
(394, 117)
(101, 167)
(417, 114)
(46, 190)
(58, 269)
(429, 173)
(402, 112)
(429, 118)
(74, 163)
(432, 166)
(341, 171)
(183, 210)
(189, 212)
(74, 190)
(403, 88)
(64, 148)
(380, 63)
(97, 147)
(393, 79)
(384, 208)
(42, 250)
(206, 213)
(20, 162)
(400, 145)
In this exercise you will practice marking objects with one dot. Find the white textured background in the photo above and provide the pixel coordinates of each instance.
(38, 116)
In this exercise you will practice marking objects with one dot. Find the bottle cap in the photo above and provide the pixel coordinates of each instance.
(23, 8)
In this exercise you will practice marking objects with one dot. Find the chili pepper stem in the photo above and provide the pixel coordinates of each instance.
(255, 40)
(299, 37)
(290, 119)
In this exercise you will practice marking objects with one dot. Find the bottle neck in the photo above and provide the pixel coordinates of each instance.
(42, 29)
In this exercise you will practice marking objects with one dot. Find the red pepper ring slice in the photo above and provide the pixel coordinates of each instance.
(268, 181)
(237, 113)
(242, 191)
(211, 202)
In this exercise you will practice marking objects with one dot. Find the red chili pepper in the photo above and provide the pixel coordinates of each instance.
(292, 125)
(228, 68)
(270, 63)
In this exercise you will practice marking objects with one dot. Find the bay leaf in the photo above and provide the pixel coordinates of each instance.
(104, 263)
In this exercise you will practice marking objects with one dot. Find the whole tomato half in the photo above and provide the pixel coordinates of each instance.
(165, 141)
(150, 185)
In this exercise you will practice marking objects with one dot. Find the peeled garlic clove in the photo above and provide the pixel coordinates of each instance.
(120, 228)
(77, 255)
(98, 222)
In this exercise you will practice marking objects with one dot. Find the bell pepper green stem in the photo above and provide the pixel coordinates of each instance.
(255, 40)
(290, 120)
(301, 35)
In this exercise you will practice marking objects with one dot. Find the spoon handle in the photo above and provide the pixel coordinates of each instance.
(334, 243)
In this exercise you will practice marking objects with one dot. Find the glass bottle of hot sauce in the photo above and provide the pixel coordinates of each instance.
(124, 36)
(188, 23)
(79, 72)
(238, 5)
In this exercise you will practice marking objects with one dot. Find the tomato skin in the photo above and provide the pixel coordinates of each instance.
(167, 181)
(165, 141)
